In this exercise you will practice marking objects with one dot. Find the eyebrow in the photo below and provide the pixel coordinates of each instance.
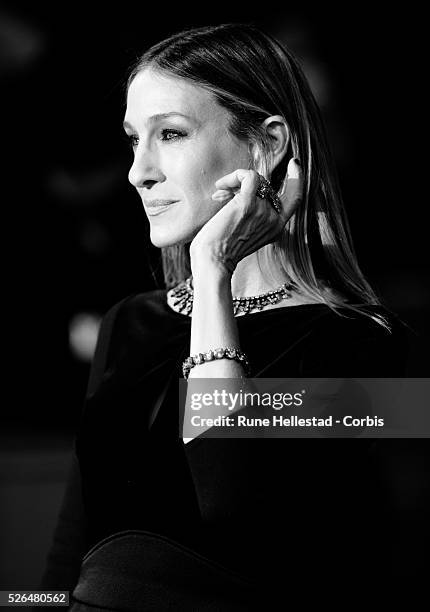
(158, 117)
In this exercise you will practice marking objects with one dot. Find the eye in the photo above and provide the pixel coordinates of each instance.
(131, 140)
(169, 134)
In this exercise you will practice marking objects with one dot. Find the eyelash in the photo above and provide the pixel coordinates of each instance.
(131, 139)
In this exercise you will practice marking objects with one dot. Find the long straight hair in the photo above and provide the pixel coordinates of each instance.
(253, 76)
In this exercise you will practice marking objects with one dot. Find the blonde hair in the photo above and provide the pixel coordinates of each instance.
(253, 76)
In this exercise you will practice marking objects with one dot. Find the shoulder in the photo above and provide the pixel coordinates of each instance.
(374, 342)
(142, 321)
(131, 323)
(133, 313)
(135, 309)
(372, 321)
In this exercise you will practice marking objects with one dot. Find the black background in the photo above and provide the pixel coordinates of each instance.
(75, 234)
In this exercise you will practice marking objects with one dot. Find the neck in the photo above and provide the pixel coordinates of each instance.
(248, 279)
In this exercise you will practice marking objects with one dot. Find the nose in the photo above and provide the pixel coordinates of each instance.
(145, 170)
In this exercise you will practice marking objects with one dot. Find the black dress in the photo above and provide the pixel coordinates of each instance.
(267, 509)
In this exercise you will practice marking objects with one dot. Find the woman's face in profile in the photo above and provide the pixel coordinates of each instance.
(182, 145)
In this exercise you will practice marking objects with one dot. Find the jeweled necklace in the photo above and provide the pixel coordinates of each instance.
(184, 295)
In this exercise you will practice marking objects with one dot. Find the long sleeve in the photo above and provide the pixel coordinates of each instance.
(70, 539)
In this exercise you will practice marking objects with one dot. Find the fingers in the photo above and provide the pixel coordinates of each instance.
(245, 181)
(222, 195)
(293, 192)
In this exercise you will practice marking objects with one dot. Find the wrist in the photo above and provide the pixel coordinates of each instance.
(207, 267)
(211, 279)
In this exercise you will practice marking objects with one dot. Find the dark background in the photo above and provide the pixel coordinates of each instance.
(76, 237)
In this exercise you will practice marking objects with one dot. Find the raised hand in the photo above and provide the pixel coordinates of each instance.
(246, 222)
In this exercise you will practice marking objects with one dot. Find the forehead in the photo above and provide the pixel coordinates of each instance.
(152, 93)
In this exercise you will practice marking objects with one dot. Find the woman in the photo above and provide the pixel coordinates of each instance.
(210, 112)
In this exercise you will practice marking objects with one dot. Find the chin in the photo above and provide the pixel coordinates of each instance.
(169, 237)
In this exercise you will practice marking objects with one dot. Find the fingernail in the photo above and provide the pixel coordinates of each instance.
(220, 194)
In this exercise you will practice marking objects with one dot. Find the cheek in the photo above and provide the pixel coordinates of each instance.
(224, 158)
(211, 164)
(195, 170)
(197, 176)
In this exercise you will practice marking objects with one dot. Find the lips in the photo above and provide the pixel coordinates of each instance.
(156, 207)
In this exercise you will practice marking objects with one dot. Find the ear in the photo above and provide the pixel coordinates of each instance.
(278, 138)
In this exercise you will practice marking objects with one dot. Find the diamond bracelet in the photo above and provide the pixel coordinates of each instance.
(219, 353)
